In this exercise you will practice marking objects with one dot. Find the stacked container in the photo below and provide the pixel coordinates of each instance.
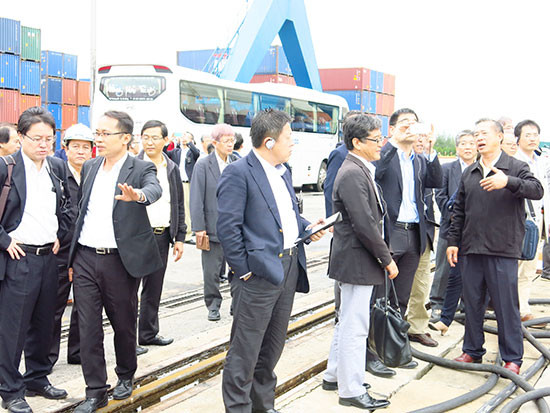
(10, 50)
(83, 101)
(30, 67)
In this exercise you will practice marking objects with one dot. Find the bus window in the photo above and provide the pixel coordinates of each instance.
(274, 102)
(200, 103)
(327, 118)
(238, 108)
(302, 114)
(132, 87)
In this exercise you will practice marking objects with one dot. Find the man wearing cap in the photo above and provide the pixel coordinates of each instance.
(78, 143)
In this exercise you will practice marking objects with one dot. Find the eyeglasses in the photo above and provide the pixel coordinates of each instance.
(226, 141)
(154, 138)
(41, 139)
(378, 140)
(107, 134)
(407, 121)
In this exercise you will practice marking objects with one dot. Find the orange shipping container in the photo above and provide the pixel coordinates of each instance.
(379, 104)
(69, 92)
(9, 105)
(273, 78)
(391, 104)
(389, 84)
(83, 93)
(69, 116)
(28, 101)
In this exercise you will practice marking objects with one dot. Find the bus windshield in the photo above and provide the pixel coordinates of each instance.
(132, 87)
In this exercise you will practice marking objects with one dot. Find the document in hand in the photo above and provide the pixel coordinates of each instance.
(329, 222)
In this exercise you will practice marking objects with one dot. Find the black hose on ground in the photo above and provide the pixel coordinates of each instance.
(524, 398)
(537, 301)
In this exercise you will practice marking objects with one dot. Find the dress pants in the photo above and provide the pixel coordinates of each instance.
(452, 295)
(441, 275)
(213, 266)
(186, 192)
(151, 291)
(349, 342)
(497, 276)
(27, 307)
(73, 345)
(546, 259)
(527, 272)
(101, 281)
(418, 316)
(261, 312)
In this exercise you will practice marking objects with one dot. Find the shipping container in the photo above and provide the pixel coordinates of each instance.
(274, 62)
(83, 93)
(391, 104)
(51, 63)
(385, 125)
(55, 110)
(58, 134)
(276, 78)
(9, 105)
(389, 84)
(28, 101)
(9, 71)
(10, 36)
(51, 89)
(69, 91)
(379, 104)
(370, 102)
(30, 77)
(194, 59)
(70, 63)
(84, 115)
(357, 78)
(380, 81)
(69, 116)
(357, 99)
(30, 43)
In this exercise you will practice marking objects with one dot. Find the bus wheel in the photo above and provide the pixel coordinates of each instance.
(321, 177)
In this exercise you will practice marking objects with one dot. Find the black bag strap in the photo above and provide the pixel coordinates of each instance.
(10, 163)
(386, 293)
(531, 209)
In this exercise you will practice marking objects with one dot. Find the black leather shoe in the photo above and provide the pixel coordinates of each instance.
(333, 385)
(123, 389)
(365, 401)
(158, 341)
(18, 405)
(410, 365)
(265, 411)
(214, 315)
(141, 350)
(73, 360)
(379, 369)
(91, 404)
(49, 392)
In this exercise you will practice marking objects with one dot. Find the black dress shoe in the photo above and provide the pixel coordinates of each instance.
(423, 338)
(379, 369)
(158, 341)
(18, 405)
(49, 392)
(365, 401)
(333, 385)
(123, 389)
(74, 360)
(410, 365)
(214, 315)
(91, 404)
(141, 350)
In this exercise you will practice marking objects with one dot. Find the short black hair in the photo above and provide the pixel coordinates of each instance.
(360, 127)
(155, 124)
(238, 141)
(497, 125)
(5, 129)
(266, 123)
(395, 115)
(124, 121)
(351, 113)
(527, 122)
(32, 116)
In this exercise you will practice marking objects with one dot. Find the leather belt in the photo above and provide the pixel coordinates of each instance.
(407, 225)
(100, 251)
(37, 249)
(289, 251)
(159, 230)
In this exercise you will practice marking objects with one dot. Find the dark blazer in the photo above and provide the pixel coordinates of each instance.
(65, 243)
(493, 223)
(190, 158)
(135, 240)
(178, 228)
(335, 160)
(451, 180)
(388, 176)
(17, 197)
(359, 252)
(249, 225)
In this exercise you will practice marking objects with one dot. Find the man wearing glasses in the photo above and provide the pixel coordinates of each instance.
(36, 217)
(112, 248)
(204, 213)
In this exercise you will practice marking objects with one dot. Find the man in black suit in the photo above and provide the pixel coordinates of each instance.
(167, 218)
(112, 247)
(36, 217)
(359, 257)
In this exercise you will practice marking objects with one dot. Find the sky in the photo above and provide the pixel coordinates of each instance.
(454, 62)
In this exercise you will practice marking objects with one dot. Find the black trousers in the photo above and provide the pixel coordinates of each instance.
(213, 267)
(151, 291)
(27, 307)
(498, 276)
(73, 346)
(101, 281)
(261, 312)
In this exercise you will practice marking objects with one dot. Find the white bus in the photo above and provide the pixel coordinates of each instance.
(194, 101)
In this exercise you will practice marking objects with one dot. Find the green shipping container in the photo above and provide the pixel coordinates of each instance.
(30, 43)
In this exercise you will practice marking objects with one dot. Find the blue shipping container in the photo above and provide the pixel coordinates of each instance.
(9, 71)
(274, 61)
(385, 125)
(55, 110)
(30, 78)
(51, 64)
(370, 102)
(194, 59)
(84, 115)
(57, 139)
(70, 63)
(353, 97)
(51, 90)
(380, 81)
(10, 36)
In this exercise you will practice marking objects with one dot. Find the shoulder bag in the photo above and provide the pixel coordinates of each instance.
(532, 236)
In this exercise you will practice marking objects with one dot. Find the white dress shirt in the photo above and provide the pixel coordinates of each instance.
(98, 230)
(159, 211)
(39, 223)
(487, 169)
(221, 163)
(184, 150)
(282, 199)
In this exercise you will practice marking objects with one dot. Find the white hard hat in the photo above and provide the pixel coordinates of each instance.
(78, 132)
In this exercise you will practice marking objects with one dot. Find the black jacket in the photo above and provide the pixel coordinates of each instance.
(493, 223)
(451, 180)
(65, 244)
(177, 211)
(190, 158)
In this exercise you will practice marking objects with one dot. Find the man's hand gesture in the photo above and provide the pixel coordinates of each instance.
(497, 181)
(129, 194)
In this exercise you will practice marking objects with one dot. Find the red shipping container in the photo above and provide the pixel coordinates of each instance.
(357, 78)
(391, 104)
(83, 93)
(69, 92)
(273, 78)
(389, 84)
(9, 105)
(69, 116)
(379, 104)
(28, 101)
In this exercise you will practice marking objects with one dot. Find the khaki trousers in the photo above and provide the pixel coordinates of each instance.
(527, 271)
(418, 316)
